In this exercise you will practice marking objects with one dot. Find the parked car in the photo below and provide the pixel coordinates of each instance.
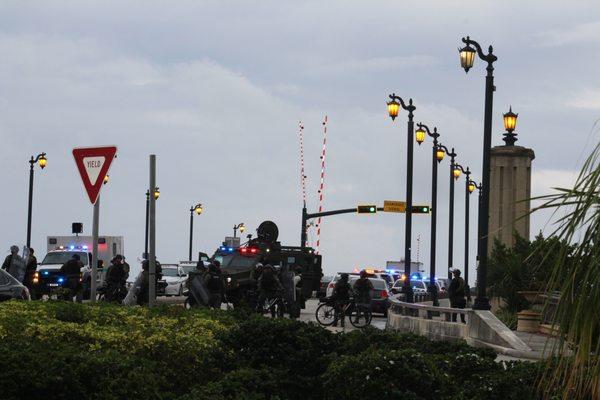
(10, 288)
(175, 277)
(379, 296)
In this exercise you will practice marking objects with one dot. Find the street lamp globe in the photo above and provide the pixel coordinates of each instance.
(198, 209)
(156, 193)
(393, 109)
(510, 120)
(456, 172)
(420, 135)
(242, 228)
(467, 57)
(439, 154)
(105, 180)
(471, 187)
(42, 161)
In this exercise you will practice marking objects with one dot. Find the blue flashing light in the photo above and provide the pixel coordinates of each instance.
(72, 247)
(85, 247)
(230, 249)
(415, 277)
(45, 272)
(60, 280)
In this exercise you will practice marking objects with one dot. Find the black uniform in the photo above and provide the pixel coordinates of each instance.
(71, 270)
(341, 297)
(456, 294)
(213, 280)
(115, 281)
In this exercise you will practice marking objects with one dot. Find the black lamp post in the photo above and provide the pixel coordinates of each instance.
(156, 196)
(436, 157)
(393, 109)
(454, 174)
(198, 210)
(239, 226)
(41, 160)
(468, 189)
(467, 56)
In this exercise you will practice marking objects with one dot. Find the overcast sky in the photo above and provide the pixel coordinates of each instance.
(216, 89)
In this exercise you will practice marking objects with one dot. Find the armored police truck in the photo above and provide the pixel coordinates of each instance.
(238, 263)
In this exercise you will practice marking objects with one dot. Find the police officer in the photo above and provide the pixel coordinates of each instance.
(269, 287)
(456, 294)
(213, 280)
(341, 297)
(30, 269)
(362, 289)
(115, 279)
(71, 270)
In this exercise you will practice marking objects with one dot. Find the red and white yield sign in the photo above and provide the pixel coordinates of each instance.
(93, 164)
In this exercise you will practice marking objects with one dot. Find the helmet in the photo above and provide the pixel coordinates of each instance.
(344, 276)
(363, 274)
(258, 266)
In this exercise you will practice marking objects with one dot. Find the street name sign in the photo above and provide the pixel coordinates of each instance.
(93, 164)
(394, 206)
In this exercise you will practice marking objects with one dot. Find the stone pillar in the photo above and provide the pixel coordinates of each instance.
(510, 185)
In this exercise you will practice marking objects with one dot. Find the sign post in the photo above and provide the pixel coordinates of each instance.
(93, 164)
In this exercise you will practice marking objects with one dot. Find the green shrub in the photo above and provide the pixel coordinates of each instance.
(57, 350)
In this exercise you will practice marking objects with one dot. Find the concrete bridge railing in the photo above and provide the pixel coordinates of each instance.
(481, 329)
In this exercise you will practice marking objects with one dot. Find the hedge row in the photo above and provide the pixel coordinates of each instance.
(57, 350)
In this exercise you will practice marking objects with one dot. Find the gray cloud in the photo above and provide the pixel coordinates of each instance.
(216, 90)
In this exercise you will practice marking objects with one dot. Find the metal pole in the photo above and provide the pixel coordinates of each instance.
(234, 230)
(146, 231)
(29, 209)
(191, 231)
(303, 233)
(432, 286)
(409, 186)
(467, 210)
(482, 302)
(451, 217)
(95, 222)
(152, 235)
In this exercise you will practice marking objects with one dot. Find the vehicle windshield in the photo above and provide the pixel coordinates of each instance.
(169, 272)
(418, 285)
(379, 284)
(187, 268)
(237, 262)
(61, 257)
(225, 260)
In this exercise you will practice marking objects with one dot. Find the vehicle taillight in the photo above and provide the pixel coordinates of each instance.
(384, 294)
(36, 277)
(331, 285)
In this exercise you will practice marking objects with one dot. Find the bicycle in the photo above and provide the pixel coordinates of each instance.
(274, 305)
(360, 315)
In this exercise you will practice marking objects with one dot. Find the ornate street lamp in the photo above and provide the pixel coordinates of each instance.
(467, 58)
(41, 160)
(437, 155)
(393, 109)
(454, 174)
(510, 123)
(239, 226)
(198, 210)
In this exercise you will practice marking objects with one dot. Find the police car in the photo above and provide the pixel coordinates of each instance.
(48, 276)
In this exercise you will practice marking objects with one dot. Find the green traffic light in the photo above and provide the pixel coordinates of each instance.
(372, 209)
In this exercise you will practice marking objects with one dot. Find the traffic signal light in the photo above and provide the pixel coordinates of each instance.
(370, 209)
(421, 209)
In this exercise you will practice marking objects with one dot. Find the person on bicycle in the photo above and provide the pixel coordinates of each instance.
(269, 286)
(213, 281)
(362, 293)
(341, 298)
(116, 277)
